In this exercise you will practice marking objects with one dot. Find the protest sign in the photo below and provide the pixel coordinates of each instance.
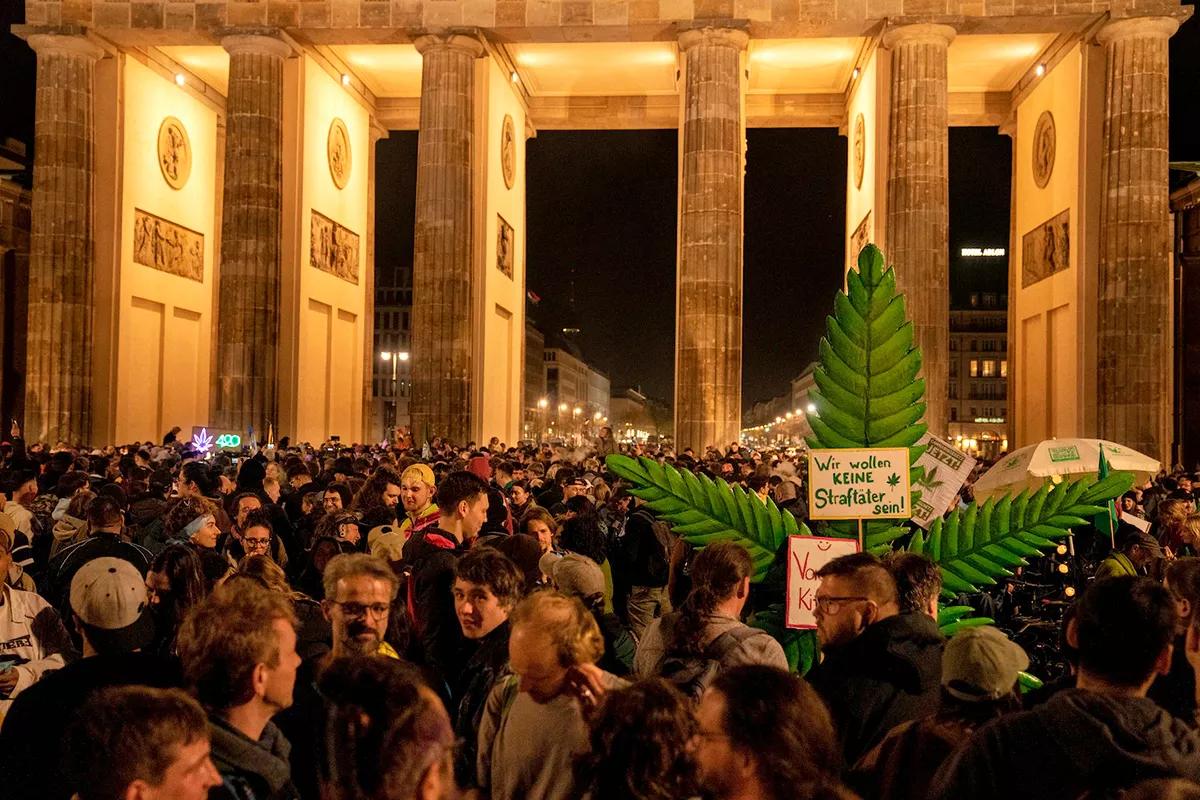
(946, 470)
(858, 484)
(806, 555)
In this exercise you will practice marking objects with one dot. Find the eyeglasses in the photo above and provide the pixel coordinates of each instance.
(360, 610)
(256, 543)
(832, 605)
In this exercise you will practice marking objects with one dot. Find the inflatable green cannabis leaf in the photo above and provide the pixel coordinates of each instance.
(867, 391)
(868, 395)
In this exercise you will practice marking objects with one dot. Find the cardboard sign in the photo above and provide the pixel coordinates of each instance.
(858, 484)
(806, 555)
(946, 470)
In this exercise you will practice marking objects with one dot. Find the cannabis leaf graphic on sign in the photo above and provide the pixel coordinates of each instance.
(893, 480)
(202, 441)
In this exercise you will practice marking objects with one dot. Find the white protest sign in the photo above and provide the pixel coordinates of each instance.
(806, 555)
(946, 470)
(858, 484)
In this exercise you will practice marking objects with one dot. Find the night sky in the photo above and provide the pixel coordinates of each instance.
(601, 224)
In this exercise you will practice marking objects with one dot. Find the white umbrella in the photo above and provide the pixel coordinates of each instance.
(1031, 466)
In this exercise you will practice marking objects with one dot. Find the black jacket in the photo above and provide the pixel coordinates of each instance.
(250, 770)
(488, 662)
(889, 674)
(31, 740)
(646, 563)
(1076, 742)
(432, 554)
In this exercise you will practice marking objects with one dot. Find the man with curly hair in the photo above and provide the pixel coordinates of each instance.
(534, 725)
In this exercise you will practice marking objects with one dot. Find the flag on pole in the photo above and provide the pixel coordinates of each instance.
(1107, 520)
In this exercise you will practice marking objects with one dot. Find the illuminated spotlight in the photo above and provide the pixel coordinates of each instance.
(345, 79)
(514, 77)
(1039, 70)
(1064, 569)
(854, 75)
(402, 355)
(811, 408)
(180, 80)
(1069, 591)
(1062, 549)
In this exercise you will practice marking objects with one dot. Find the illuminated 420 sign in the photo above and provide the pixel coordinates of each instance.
(206, 441)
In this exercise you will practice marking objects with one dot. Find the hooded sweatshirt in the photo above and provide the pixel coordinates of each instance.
(1078, 741)
(889, 674)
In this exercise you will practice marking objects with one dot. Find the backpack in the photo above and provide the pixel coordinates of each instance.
(691, 673)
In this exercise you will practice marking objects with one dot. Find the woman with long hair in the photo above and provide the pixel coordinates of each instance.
(312, 629)
(639, 740)
(708, 626)
(174, 583)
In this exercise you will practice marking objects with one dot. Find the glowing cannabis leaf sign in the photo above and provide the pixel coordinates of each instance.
(202, 441)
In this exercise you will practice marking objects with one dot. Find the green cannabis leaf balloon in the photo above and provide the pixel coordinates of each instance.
(867, 391)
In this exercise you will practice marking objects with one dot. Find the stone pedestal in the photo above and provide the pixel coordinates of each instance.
(918, 217)
(442, 322)
(708, 332)
(244, 375)
(58, 393)
(1133, 327)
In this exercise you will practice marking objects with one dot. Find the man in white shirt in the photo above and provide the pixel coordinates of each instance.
(32, 637)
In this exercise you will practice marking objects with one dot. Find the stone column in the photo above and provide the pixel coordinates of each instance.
(58, 393)
(442, 319)
(708, 327)
(918, 202)
(1134, 334)
(244, 377)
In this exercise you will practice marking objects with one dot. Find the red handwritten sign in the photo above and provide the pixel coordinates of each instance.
(806, 555)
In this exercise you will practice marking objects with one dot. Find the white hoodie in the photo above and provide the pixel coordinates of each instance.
(32, 638)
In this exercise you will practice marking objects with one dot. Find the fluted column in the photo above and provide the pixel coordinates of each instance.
(708, 334)
(245, 390)
(918, 201)
(58, 393)
(1133, 328)
(442, 322)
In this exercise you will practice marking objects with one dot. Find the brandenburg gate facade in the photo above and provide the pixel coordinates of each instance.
(202, 247)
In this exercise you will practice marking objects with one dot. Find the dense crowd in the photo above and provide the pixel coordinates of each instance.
(386, 623)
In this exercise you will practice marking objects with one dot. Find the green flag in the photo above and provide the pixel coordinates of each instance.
(1106, 522)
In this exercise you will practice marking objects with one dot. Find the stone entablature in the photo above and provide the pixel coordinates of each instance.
(334, 21)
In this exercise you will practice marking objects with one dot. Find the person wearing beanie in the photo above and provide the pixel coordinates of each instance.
(980, 667)
(417, 488)
(499, 517)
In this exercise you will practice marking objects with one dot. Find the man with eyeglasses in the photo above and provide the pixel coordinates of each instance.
(359, 590)
(880, 667)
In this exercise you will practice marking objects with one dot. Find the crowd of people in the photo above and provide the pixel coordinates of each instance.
(386, 623)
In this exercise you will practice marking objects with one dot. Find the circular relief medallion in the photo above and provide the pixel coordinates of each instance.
(508, 151)
(860, 149)
(1043, 149)
(338, 148)
(174, 153)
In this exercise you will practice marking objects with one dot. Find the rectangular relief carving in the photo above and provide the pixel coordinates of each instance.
(1046, 249)
(161, 244)
(860, 238)
(333, 248)
(504, 246)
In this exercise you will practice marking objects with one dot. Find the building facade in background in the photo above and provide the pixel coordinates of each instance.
(978, 386)
(203, 213)
(391, 375)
